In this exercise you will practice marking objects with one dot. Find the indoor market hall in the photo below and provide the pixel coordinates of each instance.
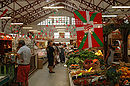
(64, 42)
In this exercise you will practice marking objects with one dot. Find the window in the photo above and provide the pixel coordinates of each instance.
(56, 35)
(63, 20)
(73, 21)
(67, 34)
(46, 22)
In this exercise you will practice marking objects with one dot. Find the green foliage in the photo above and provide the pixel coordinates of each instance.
(81, 56)
(112, 75)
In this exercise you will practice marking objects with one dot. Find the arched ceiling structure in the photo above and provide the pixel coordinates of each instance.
(28, 11)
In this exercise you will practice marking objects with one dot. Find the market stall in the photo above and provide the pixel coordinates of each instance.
(115, 40)
(87, 67)
(40, 49)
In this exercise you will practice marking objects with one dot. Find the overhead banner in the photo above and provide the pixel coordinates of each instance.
(90, 31)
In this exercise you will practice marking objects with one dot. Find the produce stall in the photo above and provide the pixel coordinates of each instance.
(87, 67)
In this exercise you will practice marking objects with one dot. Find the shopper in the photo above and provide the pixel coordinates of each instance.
(24, 56)
(62, 54)
(110, 55)
(55, 54)
(50, 56)
(58, 51)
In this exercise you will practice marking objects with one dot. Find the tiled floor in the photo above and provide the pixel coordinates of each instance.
(43, 78)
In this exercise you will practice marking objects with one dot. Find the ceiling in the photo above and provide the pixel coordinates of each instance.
(32, 11)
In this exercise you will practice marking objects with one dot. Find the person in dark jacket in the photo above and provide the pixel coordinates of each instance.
(62, 54)
(50, 56)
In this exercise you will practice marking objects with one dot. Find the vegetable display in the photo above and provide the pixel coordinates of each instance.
(80, 56)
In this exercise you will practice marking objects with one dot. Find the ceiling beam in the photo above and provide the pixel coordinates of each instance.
(93, 6)
(34, 14)
(31, 13)
(20, 6)
(25, 8)
(106, 8)
(38, 17)
(13, 10)
(127, 2)
(30, 4)
(112, 2)
(6, 3)
(99, 3)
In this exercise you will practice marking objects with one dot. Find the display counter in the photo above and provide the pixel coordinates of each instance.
(33, 63)
(3, 80)
(7, 73)
(41, 58)
(70, 79)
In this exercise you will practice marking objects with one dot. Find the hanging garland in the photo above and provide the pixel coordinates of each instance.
(15, 29)
(3, 13)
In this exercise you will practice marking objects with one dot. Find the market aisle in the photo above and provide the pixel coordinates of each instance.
(43, 78)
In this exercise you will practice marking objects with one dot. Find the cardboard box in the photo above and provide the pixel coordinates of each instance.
(40, 64)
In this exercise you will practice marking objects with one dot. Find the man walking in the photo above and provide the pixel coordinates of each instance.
(24, 56)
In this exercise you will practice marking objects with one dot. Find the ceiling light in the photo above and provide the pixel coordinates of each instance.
(37, 31)
(109, 15)
(60, 27)
(32, 30)
(120, 6)
(16, 23)
(53, 7)
(27, 27)
(5, 17)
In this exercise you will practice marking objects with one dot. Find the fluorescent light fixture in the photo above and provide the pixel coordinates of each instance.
(120, 6)
(16, 23)
(27, 28)
(109, 15)
(32, 30)
(5, 18)
(53, 7)
(60, 27)
(37, 31)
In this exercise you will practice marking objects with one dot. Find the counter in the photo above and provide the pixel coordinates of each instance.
(3, 80)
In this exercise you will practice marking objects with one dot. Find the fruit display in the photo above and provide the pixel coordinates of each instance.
(125, 72)
(99, 53)
(74, 66)
(84, 66)
(87, 68)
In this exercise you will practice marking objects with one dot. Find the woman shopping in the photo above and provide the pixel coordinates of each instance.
(50, 56)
